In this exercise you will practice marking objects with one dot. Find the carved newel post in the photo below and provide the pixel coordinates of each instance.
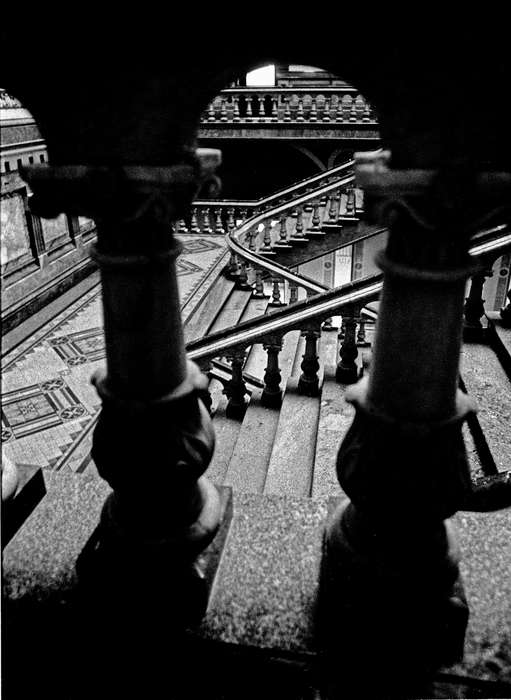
(392, 600)
(154, 438)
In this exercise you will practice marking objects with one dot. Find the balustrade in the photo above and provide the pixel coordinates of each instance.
(271, 105)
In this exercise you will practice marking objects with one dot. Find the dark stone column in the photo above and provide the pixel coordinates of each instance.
(392, 599)
(154, 438)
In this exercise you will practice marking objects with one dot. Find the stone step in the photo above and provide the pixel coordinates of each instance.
(485, 380)
(251, 454)
(292, 456)
(231, 311)
(226, 434)
(202, 318)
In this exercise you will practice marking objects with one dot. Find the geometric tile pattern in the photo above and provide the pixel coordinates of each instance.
(80, 347)
(185, 267)
(49, 406)
(199, 245)
(38, 407)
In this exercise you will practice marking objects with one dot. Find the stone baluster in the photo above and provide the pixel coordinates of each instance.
(223, 110)
(333, 208)
(236, 109)
(313, 114)
(259, 285)
(232, 269)
(339, 115)
(242, 279)
(272, 393)
(299, 223)
(353, 110)
(308, 206)
(505, 312)
(250, 237)
(195, 222)
(299, 111)
(293, 292)
(316, 218)
(287, 111)
(262, 115)
(409, 416)
(350, 202)
(206, 226)
(219, 225)
(248, 112)
(276, 298)
(231, 224)
(361, 335)
(347, 370)
(236, 389)
(327, 108)
(308, 384)
(366, 117)
(283, 229)
(266, 247)
(211, 112)
(473, 330)
(274, 111)
(153, 427)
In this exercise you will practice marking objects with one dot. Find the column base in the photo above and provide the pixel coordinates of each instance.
(390, 621)
(150, 580)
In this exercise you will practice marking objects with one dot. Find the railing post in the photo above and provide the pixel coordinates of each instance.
(272, 393)
(391, 559)
(259, 285)
(347, 370)
(236, 389)
(308, 384)
(276, 299)
(153, 428)
(236, 109)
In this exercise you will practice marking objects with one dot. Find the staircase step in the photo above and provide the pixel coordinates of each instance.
(226, 434)
(256, 307)
(292, 457)
(486, 380)
(248, 466)
(232, 310)
(335, 417)
(201, 319)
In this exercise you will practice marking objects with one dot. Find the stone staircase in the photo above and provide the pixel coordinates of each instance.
(279, 462)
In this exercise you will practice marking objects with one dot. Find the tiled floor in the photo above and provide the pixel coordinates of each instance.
(48, 404)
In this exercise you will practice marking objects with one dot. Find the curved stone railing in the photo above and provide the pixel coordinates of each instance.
(220, 216)
(279, 105)
(308, 315)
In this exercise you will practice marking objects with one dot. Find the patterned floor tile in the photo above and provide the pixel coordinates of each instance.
(49, 407)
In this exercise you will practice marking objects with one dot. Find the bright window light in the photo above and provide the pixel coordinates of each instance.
(261, 77)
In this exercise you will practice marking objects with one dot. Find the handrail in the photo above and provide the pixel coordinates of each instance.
(302, 89)
(272, 267)
(262, 201)
(324, 305)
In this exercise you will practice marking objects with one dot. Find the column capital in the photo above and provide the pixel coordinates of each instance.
(458, 197)
(122, 193)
